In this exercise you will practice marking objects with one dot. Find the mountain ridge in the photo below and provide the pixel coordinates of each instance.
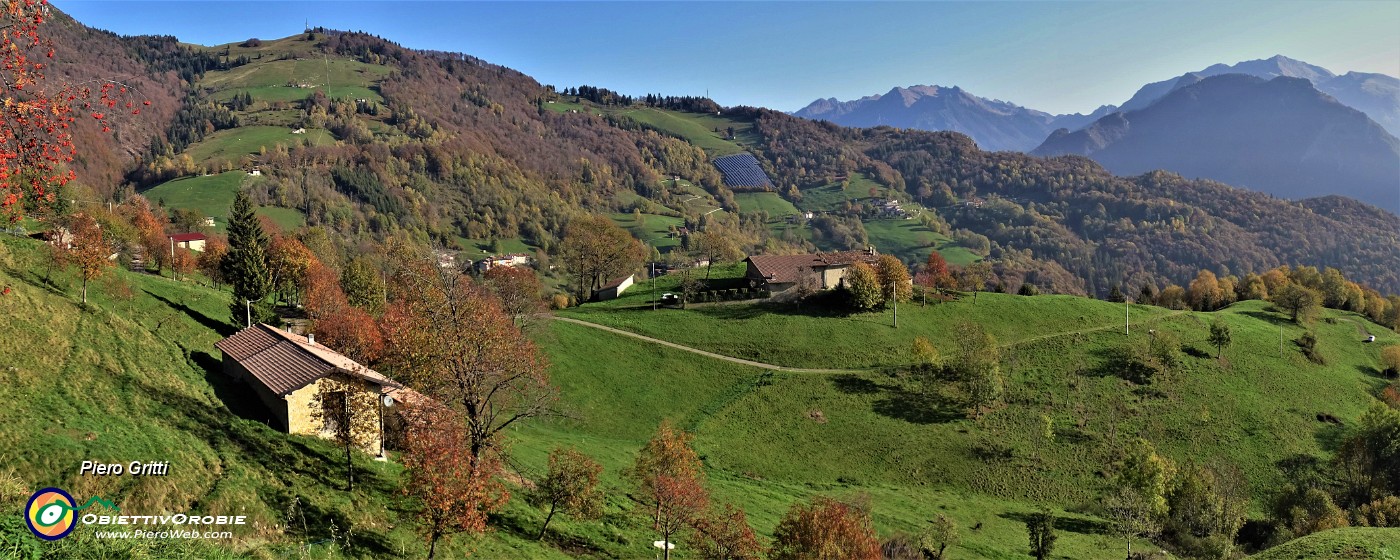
(1377, 95)
(1226, 127)
(994, 124)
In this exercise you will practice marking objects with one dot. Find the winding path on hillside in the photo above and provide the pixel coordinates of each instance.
(773, 367)
(1092, 329)
(668, 344)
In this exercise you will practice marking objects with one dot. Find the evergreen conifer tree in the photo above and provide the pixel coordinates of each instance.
(245, 265)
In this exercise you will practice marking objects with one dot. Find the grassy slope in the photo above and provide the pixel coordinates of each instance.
(830, 197)
(654, 229)
(1352, 542)
(768, 202)
(135, 384)
(267, 80)
(912, 242)
(212, 196)
(614, 399)
(698, 129)
(234, 143)
(130, 392)
(1249, 410)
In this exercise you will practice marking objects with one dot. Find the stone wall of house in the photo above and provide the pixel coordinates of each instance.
(833, 275)
(303, 406)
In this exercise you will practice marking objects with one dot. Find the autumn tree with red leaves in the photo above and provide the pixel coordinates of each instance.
(210, 261)
(183, 263)
(670, 479)
(90, 249)
(935, 275)
(450, 339)
(456, 488)
(36, 116)
(150, 232)
(724, 534)
(825, 529)
(336, 323)
(680, 500)
(570, 487)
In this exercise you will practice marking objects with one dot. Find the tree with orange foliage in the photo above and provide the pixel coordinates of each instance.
(570, 486)
(351, 331)
(937, 269)
(183, 263)
(825, 529)
(724, 534)
(210, 261)
(670, 479)
(1204, 292)
(455, 487)
(679, 502)
(935, 275)
(348, 329)
(90, 250)
(451, 340)
(36, 116)
(150, 230)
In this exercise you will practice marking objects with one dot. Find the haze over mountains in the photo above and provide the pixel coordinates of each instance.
(1229, 128)
(1377, 95)
(1277, 125)
(993, 124)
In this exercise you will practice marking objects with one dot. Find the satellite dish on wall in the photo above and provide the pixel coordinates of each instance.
(386, 400)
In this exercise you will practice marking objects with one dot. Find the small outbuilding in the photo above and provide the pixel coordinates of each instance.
(191, 241)
(613, 289)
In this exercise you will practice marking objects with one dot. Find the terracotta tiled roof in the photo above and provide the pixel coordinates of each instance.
(615, 283)
(787, 269)
(285, 362)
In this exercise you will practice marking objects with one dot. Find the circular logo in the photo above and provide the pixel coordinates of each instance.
(49, 514)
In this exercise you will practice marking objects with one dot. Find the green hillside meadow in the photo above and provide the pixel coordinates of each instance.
(135, 374)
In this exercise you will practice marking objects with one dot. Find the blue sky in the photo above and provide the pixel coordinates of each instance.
(1053, 56)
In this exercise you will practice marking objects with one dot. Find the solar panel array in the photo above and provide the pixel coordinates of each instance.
(742, 170)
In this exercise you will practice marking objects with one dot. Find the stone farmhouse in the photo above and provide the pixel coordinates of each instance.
(824, 271)
(286, 371)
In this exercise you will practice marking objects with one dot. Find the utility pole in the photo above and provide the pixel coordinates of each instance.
(1126, 301)
(653, 286)
(248, 308)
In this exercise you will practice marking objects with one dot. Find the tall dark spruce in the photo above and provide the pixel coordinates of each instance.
(245, 266)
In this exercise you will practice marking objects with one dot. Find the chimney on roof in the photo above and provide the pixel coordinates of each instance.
(310, 338)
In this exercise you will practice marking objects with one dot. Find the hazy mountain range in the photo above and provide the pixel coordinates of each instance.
(1314, 133)
(1377, 95)
(1279, 136)
(993, 124)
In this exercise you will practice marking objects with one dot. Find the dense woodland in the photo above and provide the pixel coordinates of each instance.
(1106, 230)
